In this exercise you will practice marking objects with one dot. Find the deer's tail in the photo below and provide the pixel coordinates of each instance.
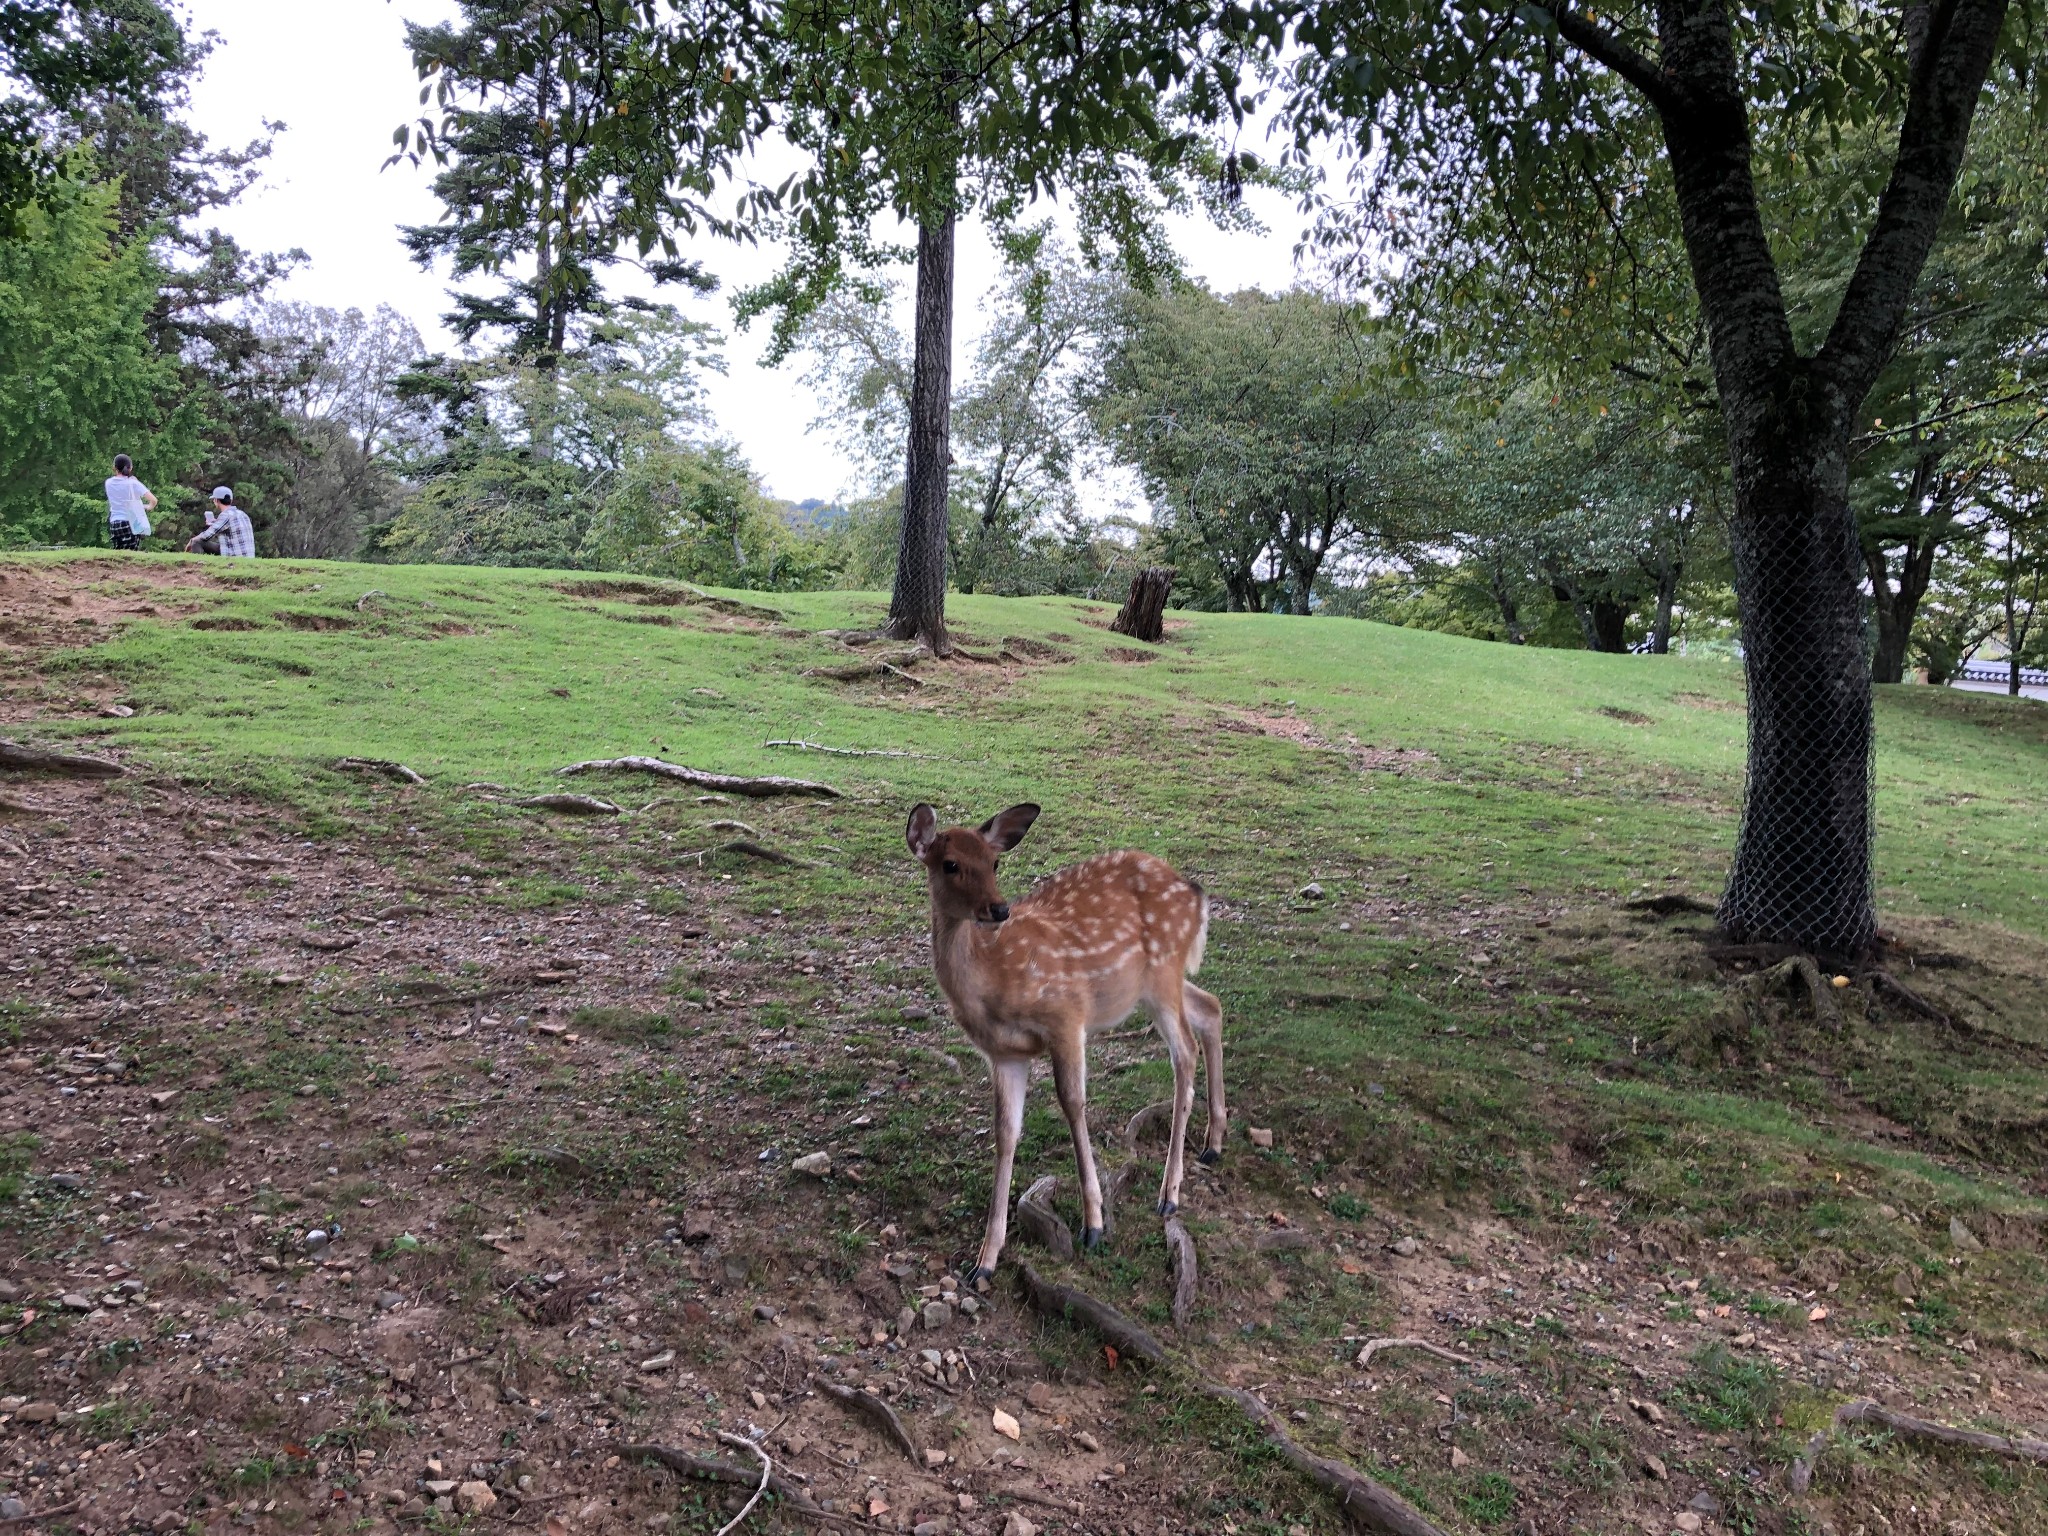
(1201, 944)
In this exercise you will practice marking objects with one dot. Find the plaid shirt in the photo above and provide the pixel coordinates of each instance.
(232, 528)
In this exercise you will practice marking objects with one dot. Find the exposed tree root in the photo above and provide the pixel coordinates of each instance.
(1148, 1118)
(760, 788)
(1913, 1002)
(378, 765)
(767, 1471)
(1671, 904)
(750, 848)
(1366, 1503)
(9, 806)
(874, 666)
(1865, 1411)
(813, 746)
(1037, 1221)
(364, 601)
(570, 805)
(726, 824)
(1114, 1192)
(863, 1401)
(41, 1514)
(1186, 1275)
(34, 760)
(1374, 1346)
(1800, 968)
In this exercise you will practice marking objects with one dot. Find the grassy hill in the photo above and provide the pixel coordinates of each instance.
(1624, 1184)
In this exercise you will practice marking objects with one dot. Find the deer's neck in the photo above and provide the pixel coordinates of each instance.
(961, 950)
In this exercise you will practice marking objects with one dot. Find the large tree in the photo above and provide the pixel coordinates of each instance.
(1541, 129)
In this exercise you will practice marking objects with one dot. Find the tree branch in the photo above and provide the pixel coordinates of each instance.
(1948, 73)
(1603, 47)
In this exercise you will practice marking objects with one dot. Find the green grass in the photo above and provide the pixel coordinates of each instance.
(1466, 1014)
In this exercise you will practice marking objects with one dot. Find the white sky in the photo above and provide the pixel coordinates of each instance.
(337, 75)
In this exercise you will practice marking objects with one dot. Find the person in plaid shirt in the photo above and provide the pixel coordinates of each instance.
(230, 530)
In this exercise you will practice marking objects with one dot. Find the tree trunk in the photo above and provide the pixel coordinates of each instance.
(1802, 863)
(1610, 625)
(1667, 598)
(917, 608)
(1142, 615)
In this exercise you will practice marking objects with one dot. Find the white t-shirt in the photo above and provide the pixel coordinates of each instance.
(124, 503)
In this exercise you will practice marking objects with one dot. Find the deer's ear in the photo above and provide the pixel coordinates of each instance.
(923, 827)
(1006, 829)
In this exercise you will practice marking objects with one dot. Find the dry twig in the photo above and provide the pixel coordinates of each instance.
(767, 1471)
(1374, 1346)
(812, 746)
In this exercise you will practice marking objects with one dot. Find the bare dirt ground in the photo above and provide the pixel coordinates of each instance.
(346, 1200)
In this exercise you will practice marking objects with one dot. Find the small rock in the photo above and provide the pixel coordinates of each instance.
(937, 1314)
(816, 1164)
(68, 1180)
(1087, 1442)
(117, 712)
(1310, 892)
(1006, 1424)
(1260, 1135)
(915, 1011)
(1705, 1505)
(1014, 1524)
(1406, 1247)
(439, 1487)
(1038, 1397)
(413, 1508)
(1647, 1410)
(1459, 1460)
(758, 1398)
(269, 1261)
(162, 1097)
(660, 1362)
(1902, 1286)
(1687, 1522)
(697, 1227)
(1654, 1465)
(905, 1321)
(386, 1300)
(970, 1306)
(934, 1457)
(9, 1291)
(1964, 1239)
(315, 1240)
(72, 1301)
(929, 1528)
(764, 1313)
(475, 1499)
(37, 1413)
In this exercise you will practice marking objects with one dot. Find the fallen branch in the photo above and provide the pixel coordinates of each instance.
(1367, 1503)
(767, 1471)
(864, 1401)
(389, 770)
(874, 666)
(756, 788)
(812, 746)
(41, 1514)
(34, 760)
(1865, 1411)
(363, 601)
(570, 805)
(1038, 1223)
(1185, 1273)
(1374, 1346)
(731, 826)
(721, 1471)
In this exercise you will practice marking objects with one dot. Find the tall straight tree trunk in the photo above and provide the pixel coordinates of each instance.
(1802, 863)
(1667, 598)
(917, 608)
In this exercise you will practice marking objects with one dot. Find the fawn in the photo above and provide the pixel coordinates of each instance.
(1085, 948)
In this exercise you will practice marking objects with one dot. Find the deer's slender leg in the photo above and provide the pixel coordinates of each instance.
(1205, 1014)
(1010, 1079)
(1180, 1047)
(1070, 1082)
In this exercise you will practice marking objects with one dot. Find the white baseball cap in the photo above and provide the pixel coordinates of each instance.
(223, 493)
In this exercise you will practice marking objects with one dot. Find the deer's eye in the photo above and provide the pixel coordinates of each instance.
(951, 868)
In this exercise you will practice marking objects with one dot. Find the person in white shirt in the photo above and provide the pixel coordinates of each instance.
(229, 531)
(129, 503)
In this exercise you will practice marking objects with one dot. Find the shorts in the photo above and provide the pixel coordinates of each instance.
(122, 536)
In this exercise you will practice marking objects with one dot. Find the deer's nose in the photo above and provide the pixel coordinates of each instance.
(998, 911)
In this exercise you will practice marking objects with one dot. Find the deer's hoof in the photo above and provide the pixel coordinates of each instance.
(1210, 1157)
(1091, 1238)
(979, 1275)
(1168, 1207)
